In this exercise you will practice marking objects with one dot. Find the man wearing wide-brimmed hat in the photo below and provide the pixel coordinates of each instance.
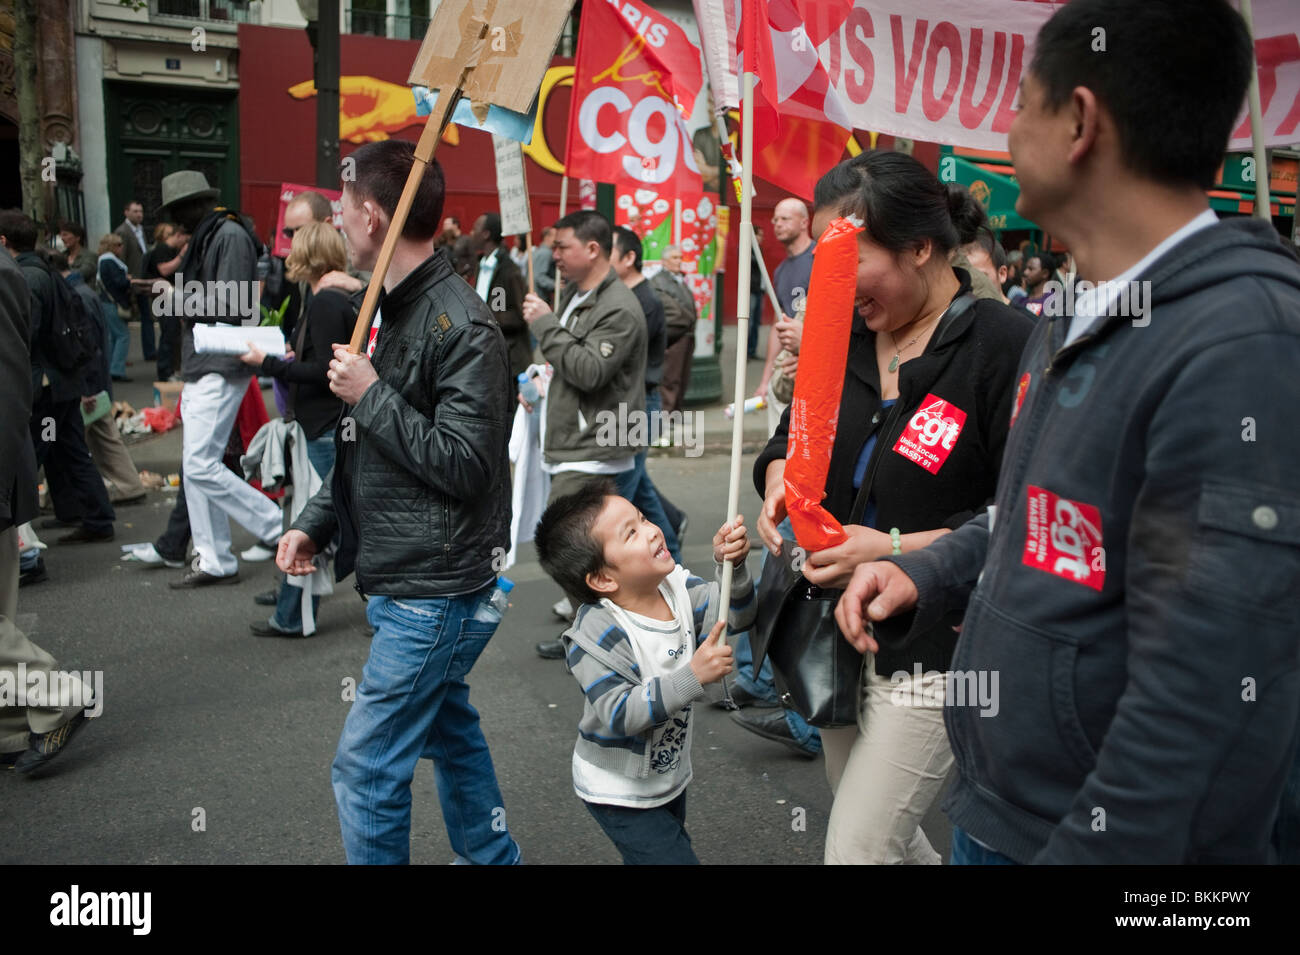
(222, 257)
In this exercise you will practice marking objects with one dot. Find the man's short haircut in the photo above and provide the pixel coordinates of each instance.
(492, 222)
(76, 228)
(588, 226)
(18, 229)
(628, 241)
(998, 253)
(1045, 259)
(380, 174)
(130, 203)
(566, 547)
(1173, 75)
(56, 260)
(987, 241)
(316, 204)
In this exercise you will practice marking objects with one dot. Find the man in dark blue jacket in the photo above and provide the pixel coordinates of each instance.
(1137, 589)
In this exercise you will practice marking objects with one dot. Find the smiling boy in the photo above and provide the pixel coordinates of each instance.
(636, 650)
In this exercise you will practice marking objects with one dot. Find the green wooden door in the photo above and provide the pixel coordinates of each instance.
(156, 130)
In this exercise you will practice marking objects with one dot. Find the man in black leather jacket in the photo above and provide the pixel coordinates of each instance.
(421, 492)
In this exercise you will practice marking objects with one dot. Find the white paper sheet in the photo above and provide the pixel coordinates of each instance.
(234, 339)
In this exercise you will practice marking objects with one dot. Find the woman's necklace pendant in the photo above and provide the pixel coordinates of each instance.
(893, 363)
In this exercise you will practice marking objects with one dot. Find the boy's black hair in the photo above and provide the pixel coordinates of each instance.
(588, 226)
(1172, 73)
(566, 547)
(629, 241)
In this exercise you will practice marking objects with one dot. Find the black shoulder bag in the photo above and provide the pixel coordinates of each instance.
(818, 673)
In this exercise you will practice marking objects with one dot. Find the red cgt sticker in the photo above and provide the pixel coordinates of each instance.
(1063, 537)
(930, 436)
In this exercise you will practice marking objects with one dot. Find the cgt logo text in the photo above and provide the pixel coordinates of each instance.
(75, 908)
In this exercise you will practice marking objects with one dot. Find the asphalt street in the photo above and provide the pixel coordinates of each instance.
(214, 746)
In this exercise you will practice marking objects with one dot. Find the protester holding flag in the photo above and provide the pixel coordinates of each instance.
(929, 383)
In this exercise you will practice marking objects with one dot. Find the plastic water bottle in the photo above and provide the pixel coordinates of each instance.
(528, 388)
(500, 599)
(494, 608)
(751, 405)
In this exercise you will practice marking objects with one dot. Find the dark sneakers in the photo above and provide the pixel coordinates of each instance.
(772, 725)
(84, 535)
(198, 578)
(267, 598)
(46, 746)
(35, 575)
(743, 698)
(551, 650)
(264, 628)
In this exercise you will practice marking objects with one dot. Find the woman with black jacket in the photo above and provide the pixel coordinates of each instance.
(928, 394)
(317, 250)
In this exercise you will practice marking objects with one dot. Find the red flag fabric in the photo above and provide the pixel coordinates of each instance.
(815, 408)
(636, 77)
(800, 124)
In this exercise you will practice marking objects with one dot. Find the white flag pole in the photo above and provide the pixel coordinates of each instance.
(746, 237)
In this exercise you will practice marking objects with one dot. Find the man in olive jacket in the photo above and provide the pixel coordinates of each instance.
(595, 404)
(421, 492)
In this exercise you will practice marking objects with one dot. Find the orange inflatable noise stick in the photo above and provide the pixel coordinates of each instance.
(819, 384)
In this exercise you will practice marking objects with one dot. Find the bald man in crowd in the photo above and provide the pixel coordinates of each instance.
(790, 221)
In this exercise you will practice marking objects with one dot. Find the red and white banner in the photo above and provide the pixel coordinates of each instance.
(939, 71)
(288, 190)
(636, 78)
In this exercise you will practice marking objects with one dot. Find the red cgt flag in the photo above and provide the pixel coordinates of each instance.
(800, 125)
(636, 77)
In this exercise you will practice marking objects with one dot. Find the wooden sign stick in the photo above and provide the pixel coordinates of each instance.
(424, 150)
(528, 247)
(491, 54)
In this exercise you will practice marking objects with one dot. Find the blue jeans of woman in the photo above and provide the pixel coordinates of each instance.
(413, 703)
(288, 603)
(119, 338)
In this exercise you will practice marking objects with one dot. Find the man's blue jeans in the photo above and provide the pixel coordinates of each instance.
(119, 337)
(413, 702)
(765, 686)
(288, 603)
(966, 851)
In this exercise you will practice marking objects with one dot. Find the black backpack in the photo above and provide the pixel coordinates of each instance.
(70, 339)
